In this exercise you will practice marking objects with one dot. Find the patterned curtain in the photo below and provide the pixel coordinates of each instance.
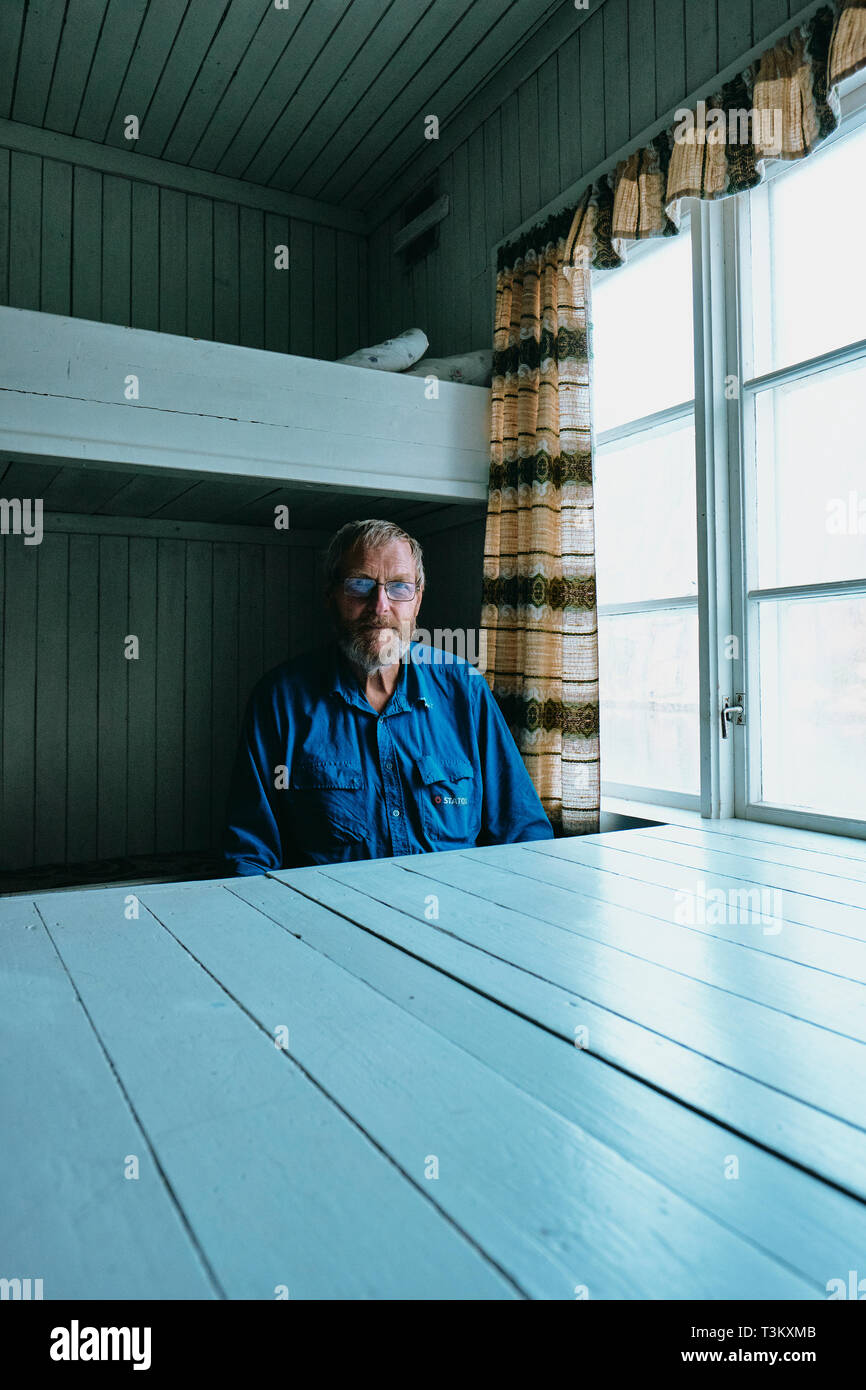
(539, 554)
(539, 604)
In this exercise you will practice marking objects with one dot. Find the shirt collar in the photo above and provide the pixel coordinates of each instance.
(342, 681)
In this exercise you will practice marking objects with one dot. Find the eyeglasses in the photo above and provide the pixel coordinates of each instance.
(359, 586)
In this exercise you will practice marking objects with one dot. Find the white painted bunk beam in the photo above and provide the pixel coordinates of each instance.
(219, 409)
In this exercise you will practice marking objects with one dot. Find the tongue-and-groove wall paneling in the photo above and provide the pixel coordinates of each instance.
(85, 241)
(107, 756)
(79, 241)
(549, 117)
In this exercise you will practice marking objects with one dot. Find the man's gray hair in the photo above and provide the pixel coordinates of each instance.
(370, 533)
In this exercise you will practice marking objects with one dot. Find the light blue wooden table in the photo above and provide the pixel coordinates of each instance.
(531, 1071)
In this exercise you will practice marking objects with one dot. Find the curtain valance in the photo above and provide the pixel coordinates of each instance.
(781, 107)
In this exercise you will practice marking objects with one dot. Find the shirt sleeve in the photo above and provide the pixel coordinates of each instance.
(252, 843)
(512, 809)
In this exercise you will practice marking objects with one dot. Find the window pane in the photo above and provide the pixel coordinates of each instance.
(813, 700)
(814, 297)
(642, 334)
(645, 515)
(648, 683)
(811, 471)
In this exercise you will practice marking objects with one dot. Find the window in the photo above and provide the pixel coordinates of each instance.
(644, 411)
(802, 615)
(730, 416)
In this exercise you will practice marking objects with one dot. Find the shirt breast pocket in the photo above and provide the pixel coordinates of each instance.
(327, 800)
(450, 798)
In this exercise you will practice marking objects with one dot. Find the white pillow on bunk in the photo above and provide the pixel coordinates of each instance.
(470, 368)
(394, 355)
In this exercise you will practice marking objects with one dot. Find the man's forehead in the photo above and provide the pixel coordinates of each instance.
(394, 553)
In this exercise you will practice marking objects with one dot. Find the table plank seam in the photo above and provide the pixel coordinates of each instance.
(607, 1061)
(618, 873)
(713, 1121)
(698, 1206)
(356, 1124)
(622, 872)
(683, 838)
(509, 868)
(642, 853)
(754, 829)
(173, 1197)
(745, 847)
(631, 954)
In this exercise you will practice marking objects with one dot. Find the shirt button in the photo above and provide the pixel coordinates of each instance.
(395, 812)
(389, 766)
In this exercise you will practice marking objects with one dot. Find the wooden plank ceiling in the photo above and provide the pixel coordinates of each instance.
(324, 98)
(157, 496)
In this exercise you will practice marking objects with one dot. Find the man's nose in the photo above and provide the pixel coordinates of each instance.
(383, 603)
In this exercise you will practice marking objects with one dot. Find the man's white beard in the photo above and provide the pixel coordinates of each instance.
(358, 649)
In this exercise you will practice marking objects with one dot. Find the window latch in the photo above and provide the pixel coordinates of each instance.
(733, 714)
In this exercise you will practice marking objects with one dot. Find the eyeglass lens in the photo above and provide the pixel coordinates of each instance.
(359, 586)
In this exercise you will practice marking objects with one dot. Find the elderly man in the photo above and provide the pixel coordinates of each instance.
(370, 748)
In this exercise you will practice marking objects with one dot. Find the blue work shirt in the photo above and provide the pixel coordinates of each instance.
(320, 777)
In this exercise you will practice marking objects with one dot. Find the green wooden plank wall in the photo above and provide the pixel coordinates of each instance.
(119, 757)
(453, 569)
(626, 64)
(99, 246)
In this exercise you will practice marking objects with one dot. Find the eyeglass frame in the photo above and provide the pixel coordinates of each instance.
(379, 584)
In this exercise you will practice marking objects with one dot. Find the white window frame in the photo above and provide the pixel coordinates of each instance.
(685, 410)
(724, 469)
(725, 448)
